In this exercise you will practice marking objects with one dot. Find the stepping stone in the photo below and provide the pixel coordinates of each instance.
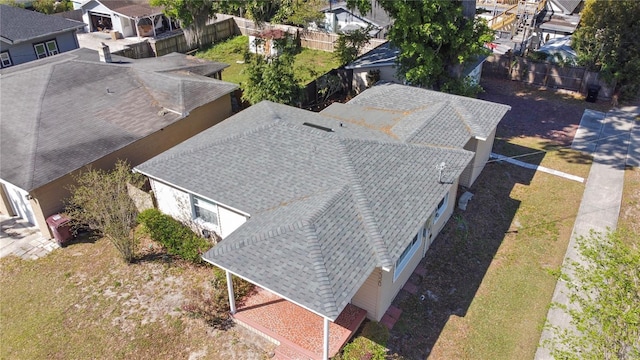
(410, 288)
(388, 321)
(420, 270)
(394, 312)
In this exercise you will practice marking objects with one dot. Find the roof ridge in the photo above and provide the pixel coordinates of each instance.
(216, 143)
(466, 116)
(34, 151)
(320, 269)
(362, 204)
(439, 106)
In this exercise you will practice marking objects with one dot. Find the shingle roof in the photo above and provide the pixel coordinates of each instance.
(132, 8)
(568, 6)
(383, 55)
(63, 112)
(325, 207)
(18, 25)
(421, 116)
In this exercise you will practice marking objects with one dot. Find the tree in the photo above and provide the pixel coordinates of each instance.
(271, 79)
(52, 6)
(299, 12)
(607, 40)
(349, 45)
(100, 200)
(604, 291)
(13, 3)
(435, 39)
(192, 15)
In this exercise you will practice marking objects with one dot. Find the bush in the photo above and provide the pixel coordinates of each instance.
(176, 237)
(370, 344)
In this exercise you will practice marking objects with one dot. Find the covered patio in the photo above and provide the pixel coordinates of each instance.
(297, 331)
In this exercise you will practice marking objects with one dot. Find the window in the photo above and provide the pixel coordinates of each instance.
(205, 211)
(46, 49)
(5, 59)
(442, 206)
(406, 255)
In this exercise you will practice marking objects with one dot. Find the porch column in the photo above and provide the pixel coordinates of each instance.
(232, 299)
(153, 26)
(136, 20)
(325, 351)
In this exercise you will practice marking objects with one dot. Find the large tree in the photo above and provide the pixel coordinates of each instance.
(271, 79)
(100, 199)
(434, 37)
(604, 291)
(192, 15)
(607, 40)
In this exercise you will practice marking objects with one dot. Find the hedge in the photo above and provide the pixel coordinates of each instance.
(176, 237)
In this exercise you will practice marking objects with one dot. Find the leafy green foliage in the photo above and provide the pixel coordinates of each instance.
(178, 238)
(13, 3)
(292, 12)
(434, 38)
(52, 6)
(605, 292)
(271, 79)
(348, 46)
(608, 40)
(371, 344)
(100, 199)
(192, 15)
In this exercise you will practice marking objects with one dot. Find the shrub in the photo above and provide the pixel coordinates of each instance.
(369, 345)
(176, 237)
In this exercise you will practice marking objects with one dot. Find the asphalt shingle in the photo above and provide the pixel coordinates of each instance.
(18, 25)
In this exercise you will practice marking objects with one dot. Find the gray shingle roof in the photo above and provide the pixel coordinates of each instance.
(325, 207)
(430, 117)
(18, 25)
(61, 113)
(568, 6)
(132, 8)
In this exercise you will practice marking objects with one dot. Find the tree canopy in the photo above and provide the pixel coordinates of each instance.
(435, 39)
(604, 289)
(607, 40)
(192, 15)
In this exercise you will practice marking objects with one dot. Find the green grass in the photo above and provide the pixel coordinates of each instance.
(309, 64)
(83, 302)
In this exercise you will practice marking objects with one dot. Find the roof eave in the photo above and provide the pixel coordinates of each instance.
(19, 41)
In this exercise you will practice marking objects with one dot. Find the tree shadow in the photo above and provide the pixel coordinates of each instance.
(459, 258)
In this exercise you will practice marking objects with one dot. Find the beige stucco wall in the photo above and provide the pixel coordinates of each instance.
(389, 288)
(387, 73)
(482, 150)
(48, 199)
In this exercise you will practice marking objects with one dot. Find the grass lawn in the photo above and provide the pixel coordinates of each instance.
(84, 302)
(309, 64)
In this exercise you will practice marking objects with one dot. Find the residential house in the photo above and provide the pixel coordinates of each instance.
(27, 35)
(62, 114)
(559, 18)
(379, 64)
(332, 208)
(124, 17)
(340, 19)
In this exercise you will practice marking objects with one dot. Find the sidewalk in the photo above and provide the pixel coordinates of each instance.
(614, 139)
(19, 238)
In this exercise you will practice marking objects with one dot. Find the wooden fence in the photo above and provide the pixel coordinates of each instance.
(176, 41)
(311, 39)
(544, 74)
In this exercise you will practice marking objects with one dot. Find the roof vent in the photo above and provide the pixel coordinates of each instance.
(318, 127)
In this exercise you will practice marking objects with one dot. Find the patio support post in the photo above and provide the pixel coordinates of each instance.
(325, 350)
(232, 299)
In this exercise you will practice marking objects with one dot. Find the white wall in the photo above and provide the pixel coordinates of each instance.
(387, 73)
(19, 202)
(177, 203)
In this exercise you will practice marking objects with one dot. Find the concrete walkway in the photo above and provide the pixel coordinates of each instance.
(19, 238)
(614, 140)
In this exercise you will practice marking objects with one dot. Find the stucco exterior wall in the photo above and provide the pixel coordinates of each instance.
(24, 52)
(360, 83)
(48, 199)
(390, 288)
(177, 203)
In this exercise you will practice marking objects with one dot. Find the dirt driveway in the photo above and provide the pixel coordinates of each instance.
(548, 114)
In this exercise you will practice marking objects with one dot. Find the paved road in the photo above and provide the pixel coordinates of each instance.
(614, 139)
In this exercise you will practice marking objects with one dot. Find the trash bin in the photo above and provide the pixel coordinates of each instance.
(592, 93)
(60, 227)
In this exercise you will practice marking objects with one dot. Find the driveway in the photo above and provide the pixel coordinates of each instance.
(19, 238)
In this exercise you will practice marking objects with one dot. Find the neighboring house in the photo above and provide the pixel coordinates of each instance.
(340, 19)
(126, 17)
(559, 18)
(331, 208)
(27, 35)
(559, 50)
(379, 64)
(62, 114)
